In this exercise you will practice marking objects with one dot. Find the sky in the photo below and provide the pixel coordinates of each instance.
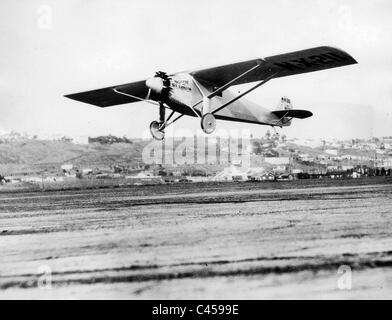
(52, 48)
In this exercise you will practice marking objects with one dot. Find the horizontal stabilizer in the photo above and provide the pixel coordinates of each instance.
(293, 113)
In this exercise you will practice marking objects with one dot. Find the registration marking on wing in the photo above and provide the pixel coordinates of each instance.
(312, 61)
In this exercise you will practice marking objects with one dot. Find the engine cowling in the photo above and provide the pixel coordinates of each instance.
(155, 84)
(159, 86)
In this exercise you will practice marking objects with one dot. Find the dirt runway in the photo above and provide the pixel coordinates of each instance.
(220, 241)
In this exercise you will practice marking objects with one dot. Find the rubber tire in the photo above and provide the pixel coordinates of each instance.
(155, 132)
(208, 123)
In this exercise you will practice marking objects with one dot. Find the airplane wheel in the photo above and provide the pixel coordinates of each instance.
(208, 123)
(155, 132)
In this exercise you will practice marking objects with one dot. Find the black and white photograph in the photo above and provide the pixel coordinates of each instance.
(195, 150)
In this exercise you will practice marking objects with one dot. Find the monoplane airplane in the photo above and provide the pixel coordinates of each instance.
(203, 93)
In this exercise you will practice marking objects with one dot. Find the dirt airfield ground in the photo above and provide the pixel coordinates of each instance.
(199, 241)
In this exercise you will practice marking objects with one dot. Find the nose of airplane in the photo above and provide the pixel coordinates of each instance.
(155, 84)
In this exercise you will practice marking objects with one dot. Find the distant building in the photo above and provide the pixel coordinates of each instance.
(387, 163)
(332, 151)
(144, 174)
(32, 179)
(356, 175)
(256, 173)
(280, 168)
(278, 160)
(87, 171)
(80, 140)
(66, 167)
(236, 162)
(296, 171)
(305, 157)
(231, 173)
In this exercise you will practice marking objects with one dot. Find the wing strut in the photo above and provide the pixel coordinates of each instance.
(134, 97)
(220, 89)
(246, 92)
(227, 85)
(282, 118)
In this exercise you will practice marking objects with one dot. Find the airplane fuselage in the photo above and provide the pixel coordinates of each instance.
(186, 92)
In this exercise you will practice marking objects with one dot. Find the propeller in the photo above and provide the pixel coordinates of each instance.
(160, 85)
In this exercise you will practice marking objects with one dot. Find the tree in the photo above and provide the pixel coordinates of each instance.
(162, 173)
(268, 135)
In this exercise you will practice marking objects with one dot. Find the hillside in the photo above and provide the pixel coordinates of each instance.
(23, 155)
(36, 155)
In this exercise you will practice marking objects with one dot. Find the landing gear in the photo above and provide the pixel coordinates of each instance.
(208, 123)
(156, 128)
(156, 132)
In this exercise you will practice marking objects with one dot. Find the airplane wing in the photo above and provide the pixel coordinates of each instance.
(107, 97)
(282, 65)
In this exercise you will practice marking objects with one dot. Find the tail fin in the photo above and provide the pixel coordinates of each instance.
(284, 104)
